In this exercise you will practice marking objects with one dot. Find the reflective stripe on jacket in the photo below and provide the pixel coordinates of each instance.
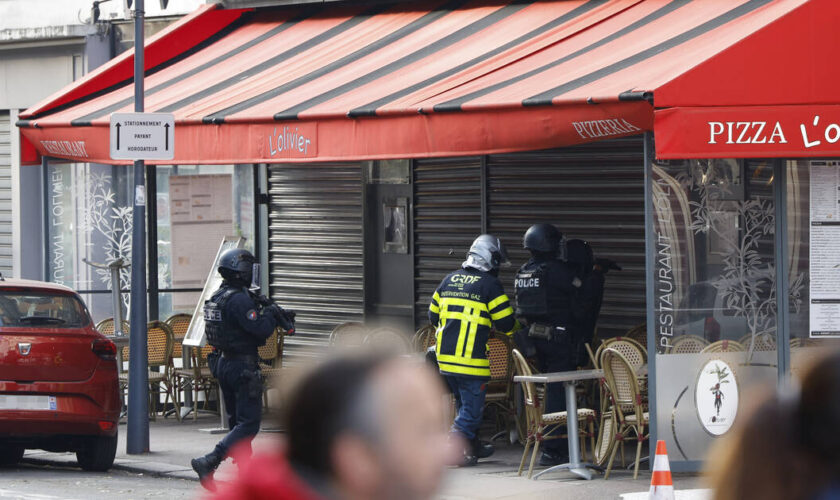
(464, 308)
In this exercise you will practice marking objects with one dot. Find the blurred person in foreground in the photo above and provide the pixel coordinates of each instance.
(362, 427)
(789, 447)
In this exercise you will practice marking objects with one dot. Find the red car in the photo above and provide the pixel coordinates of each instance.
(58, 376)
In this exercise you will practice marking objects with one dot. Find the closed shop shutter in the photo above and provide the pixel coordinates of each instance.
(5, 194)
(593, 192)
(316, 249)
(447, 217)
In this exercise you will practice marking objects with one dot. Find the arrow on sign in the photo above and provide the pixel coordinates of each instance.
(118, 136)
(166, 134)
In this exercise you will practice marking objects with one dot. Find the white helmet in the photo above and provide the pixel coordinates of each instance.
(486, 254)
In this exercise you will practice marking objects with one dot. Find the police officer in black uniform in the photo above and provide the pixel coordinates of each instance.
(546, 287)
(237, 322)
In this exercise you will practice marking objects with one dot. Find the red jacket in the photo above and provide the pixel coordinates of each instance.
(265, 477)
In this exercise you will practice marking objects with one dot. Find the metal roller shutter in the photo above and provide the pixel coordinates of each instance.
(447, 216)
(5, 194)
(316, 249)
(593, 192)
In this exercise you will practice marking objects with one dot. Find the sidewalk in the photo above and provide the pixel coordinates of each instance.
(173, 445)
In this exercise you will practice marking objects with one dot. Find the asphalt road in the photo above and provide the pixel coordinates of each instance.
(30, 481)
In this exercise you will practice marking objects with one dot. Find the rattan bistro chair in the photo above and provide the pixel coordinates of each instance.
(500, 387)
(424, 338)
(546, 426)
(626, 404)
(724, 346)
(159, 356)
(688, 344)
(271, 361)
(197, 378)
(763, 342)
(388, 340)
(348, 335)
(106, 327)
(179, 323)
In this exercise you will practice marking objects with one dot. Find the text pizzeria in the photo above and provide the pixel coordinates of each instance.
(65, 148)
(593, 129)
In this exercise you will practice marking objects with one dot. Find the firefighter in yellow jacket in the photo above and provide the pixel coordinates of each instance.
(466, 305)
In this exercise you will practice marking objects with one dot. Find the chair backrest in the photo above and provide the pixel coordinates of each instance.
(387, 339)
(424, 338)
(499, 353)
(179, 324)
(268, 352)
(522, 368)
(349, 334)
(626, 340)
(106, 327)
(724, 346)
(638, 333)
(688, 344)
(621, 381)
(159, 344)
(762, 342)
(629, 349)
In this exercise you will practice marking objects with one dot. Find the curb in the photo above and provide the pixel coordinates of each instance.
(154, 469)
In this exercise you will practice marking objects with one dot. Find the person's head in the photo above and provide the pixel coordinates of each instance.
(370, 427)
(788, 448)
(486, 254)
(543, 241)
(236, 266)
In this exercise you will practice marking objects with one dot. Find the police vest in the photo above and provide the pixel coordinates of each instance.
(223, 331)
(532, 291)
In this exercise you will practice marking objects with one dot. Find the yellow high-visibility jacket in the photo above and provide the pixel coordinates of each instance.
(464, 307)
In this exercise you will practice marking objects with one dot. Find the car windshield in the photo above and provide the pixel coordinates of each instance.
(33, 309)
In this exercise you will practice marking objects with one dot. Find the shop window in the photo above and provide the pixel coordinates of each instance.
(90, 219)
(714, 295)
(387, 172)
(395, 232)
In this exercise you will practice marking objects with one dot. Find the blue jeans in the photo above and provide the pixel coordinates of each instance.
(469, 402)
(244, 409)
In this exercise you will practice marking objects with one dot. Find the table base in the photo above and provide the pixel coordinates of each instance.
(580, 470)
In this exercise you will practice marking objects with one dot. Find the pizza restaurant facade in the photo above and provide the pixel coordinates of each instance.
(695, 142)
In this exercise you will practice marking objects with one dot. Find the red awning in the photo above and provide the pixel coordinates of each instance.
(428, 79)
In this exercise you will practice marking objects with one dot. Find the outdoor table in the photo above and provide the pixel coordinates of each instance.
(568, 378)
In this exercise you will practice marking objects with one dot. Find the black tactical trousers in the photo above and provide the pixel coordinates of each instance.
(243, 401)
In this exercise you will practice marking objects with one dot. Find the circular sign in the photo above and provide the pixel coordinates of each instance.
(716, 397)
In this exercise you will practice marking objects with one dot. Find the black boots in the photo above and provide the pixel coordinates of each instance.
(205, 467)
(480, 449)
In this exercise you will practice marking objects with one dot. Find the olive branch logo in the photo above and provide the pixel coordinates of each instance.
(723, 378)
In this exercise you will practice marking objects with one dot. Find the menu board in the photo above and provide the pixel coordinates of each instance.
(825, 249)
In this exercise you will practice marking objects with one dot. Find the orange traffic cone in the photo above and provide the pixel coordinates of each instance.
(661, 485)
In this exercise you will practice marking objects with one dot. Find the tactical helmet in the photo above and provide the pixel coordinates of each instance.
(543, 238)
(237, 265)
(486, 254)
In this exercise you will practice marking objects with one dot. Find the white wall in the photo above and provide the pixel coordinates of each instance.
(33, 14)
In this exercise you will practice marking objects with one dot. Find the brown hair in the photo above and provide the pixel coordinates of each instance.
(789, 447)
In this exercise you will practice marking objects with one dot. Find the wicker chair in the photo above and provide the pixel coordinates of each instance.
(159, 346)
(387, 339)
(500, 387)
(625, 343)
(271, 361)
(638, 333)
(197, 378)
(106, 327)
(626, 399)
(424, 338)
(540, 424)
(179, 323)
(348, 335)
(688, 344)
(724, 346)
(763, 342)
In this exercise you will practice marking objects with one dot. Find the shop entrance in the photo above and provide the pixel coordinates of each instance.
(389, 290)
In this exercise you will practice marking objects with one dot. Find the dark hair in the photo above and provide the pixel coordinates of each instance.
(325, 405)
(788, 448)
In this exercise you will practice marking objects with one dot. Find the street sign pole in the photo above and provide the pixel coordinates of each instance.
(138, 373)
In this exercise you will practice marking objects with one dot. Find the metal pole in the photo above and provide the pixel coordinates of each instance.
(782, 269)
(138, 372)
(650, 299)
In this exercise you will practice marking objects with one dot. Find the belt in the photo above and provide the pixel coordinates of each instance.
(247, 358)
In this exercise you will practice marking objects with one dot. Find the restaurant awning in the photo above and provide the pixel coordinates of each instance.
(440, 78)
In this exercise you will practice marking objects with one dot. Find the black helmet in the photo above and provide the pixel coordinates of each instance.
(237, 266)
(486, 254)
(543, 238)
